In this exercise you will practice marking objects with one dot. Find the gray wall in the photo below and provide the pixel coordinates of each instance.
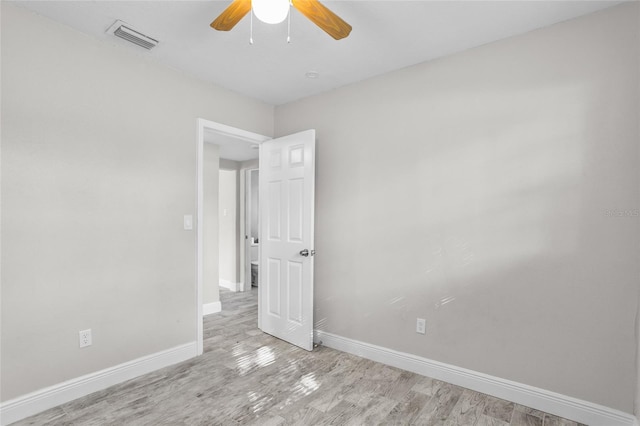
(228, 232)
(210, 225)
(229, 164)
(98, 169)
(239, 243)
(473, 191)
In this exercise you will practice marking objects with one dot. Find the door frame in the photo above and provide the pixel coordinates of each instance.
(225, 130)
(248, 207)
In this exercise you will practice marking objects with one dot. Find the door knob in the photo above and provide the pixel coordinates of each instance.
(304, 253)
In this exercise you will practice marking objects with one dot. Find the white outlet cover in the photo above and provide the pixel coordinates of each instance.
(421, 325)
(85, 338)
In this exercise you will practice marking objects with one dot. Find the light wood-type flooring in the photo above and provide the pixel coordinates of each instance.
(248, 377)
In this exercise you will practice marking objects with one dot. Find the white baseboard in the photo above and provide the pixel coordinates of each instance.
(211, 308)
(52, 396)
(540, 399)
(229, 285)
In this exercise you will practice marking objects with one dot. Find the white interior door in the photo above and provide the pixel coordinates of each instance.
(287, 182)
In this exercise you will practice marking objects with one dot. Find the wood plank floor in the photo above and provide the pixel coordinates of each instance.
(248, 377)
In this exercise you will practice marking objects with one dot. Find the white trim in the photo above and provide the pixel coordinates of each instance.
(229, 285)
(211, 308)
(241, 240)
(223, 129)
(199, 238)
(246, 221)
(540, 399)
(52, 396)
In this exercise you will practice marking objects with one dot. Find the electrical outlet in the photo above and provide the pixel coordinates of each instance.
(85, 338)
(421, 325)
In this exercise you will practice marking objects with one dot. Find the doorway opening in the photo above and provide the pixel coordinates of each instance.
(229, 240)
(252, 222)
(231, 151)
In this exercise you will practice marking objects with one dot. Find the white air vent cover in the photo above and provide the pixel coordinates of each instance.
(126, 32)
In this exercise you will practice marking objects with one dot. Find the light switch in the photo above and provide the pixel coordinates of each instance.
(188, 222)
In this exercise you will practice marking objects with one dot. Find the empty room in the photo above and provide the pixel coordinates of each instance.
(303, 212)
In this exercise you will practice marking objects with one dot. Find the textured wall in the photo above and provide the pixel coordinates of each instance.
(98, 169)
(482, 191)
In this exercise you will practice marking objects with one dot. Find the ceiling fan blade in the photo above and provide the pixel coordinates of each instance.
(320, 15)
(232, 15)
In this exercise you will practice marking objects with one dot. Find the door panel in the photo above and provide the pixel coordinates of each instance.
(295, 280)
(296, 210)
(274, 205)
(287, 180)
(273, 283)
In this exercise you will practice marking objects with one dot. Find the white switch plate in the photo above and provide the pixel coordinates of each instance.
(421, 325)
(85, 338)
(188, 222)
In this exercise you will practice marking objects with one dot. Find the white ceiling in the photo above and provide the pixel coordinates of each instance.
(387, 35)
(232, 148)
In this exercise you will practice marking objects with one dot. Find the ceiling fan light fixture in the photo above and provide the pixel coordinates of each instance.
(276, 11)
(270, 11)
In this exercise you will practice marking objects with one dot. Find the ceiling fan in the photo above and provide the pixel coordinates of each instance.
(275, 11)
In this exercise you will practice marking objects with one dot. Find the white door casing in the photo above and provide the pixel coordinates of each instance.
(287, 184)
(250, 209)
(223, 130)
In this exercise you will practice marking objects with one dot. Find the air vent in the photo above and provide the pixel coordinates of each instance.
(125, 32)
